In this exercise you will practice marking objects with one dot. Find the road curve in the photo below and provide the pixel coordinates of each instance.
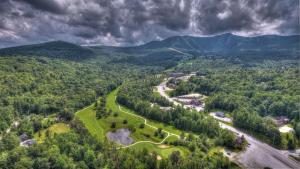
(258, 154)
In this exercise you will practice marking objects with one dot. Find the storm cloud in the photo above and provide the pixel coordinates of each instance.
(131, 22)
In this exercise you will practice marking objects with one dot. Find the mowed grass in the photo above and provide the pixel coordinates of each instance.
(163, 152)
(57, 128)
(88, 117)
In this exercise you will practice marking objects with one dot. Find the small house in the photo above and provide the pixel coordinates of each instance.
(240, 140)
(171, 85)
(195, 102)
(282, 120)
(28, 143)
(176, 75)
(23, 137)
(220, 114)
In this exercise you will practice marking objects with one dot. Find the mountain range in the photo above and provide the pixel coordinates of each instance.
(173, 48)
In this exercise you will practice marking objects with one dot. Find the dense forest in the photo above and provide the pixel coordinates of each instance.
(45, 86)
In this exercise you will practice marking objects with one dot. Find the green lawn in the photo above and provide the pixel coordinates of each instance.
(88, 117)
(163, 152)
(171, 139)
(57, 128)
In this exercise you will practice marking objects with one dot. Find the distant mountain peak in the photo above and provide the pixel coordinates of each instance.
(53, 49)
(226, 34)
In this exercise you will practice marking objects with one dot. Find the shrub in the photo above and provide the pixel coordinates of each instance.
(131, 128)
(116, 114)
(142, 125)
(113, 125)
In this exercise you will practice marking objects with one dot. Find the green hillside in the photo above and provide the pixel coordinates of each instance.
(54, 49)
(170, 51)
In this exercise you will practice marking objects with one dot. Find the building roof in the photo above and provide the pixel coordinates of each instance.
(23, 137)
(220, 114)
(28, 142)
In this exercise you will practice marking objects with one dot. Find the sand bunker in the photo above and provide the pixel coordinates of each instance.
(163, 146)
(286, 129)
(121, 136)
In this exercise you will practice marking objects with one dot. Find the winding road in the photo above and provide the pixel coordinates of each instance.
(257, 155)
(145, 122)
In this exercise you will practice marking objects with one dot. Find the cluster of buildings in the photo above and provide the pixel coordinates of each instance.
(182, 76)
(193, 100)
(176, 74)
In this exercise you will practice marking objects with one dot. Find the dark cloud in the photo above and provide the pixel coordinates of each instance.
(125, 22)
(4, 6)
(269, 10)
(28, 14)
(173, 14)
(223, 16)
(46, 5)
(87, 34)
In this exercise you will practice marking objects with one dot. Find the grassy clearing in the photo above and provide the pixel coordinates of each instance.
(171, 139)
(99, 127)
(163, 152)
(88, 117)
(57, 128)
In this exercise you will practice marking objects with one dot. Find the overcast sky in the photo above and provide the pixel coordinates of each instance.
(131, 22)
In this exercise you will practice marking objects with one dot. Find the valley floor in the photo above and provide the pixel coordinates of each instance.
(257, 155)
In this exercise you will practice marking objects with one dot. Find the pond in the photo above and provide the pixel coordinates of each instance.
(120, 136)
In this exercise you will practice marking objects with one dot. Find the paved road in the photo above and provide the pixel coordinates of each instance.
(258, 155)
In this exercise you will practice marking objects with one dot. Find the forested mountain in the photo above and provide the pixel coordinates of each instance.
(171, 50)
(228, 43)
(54, 49)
